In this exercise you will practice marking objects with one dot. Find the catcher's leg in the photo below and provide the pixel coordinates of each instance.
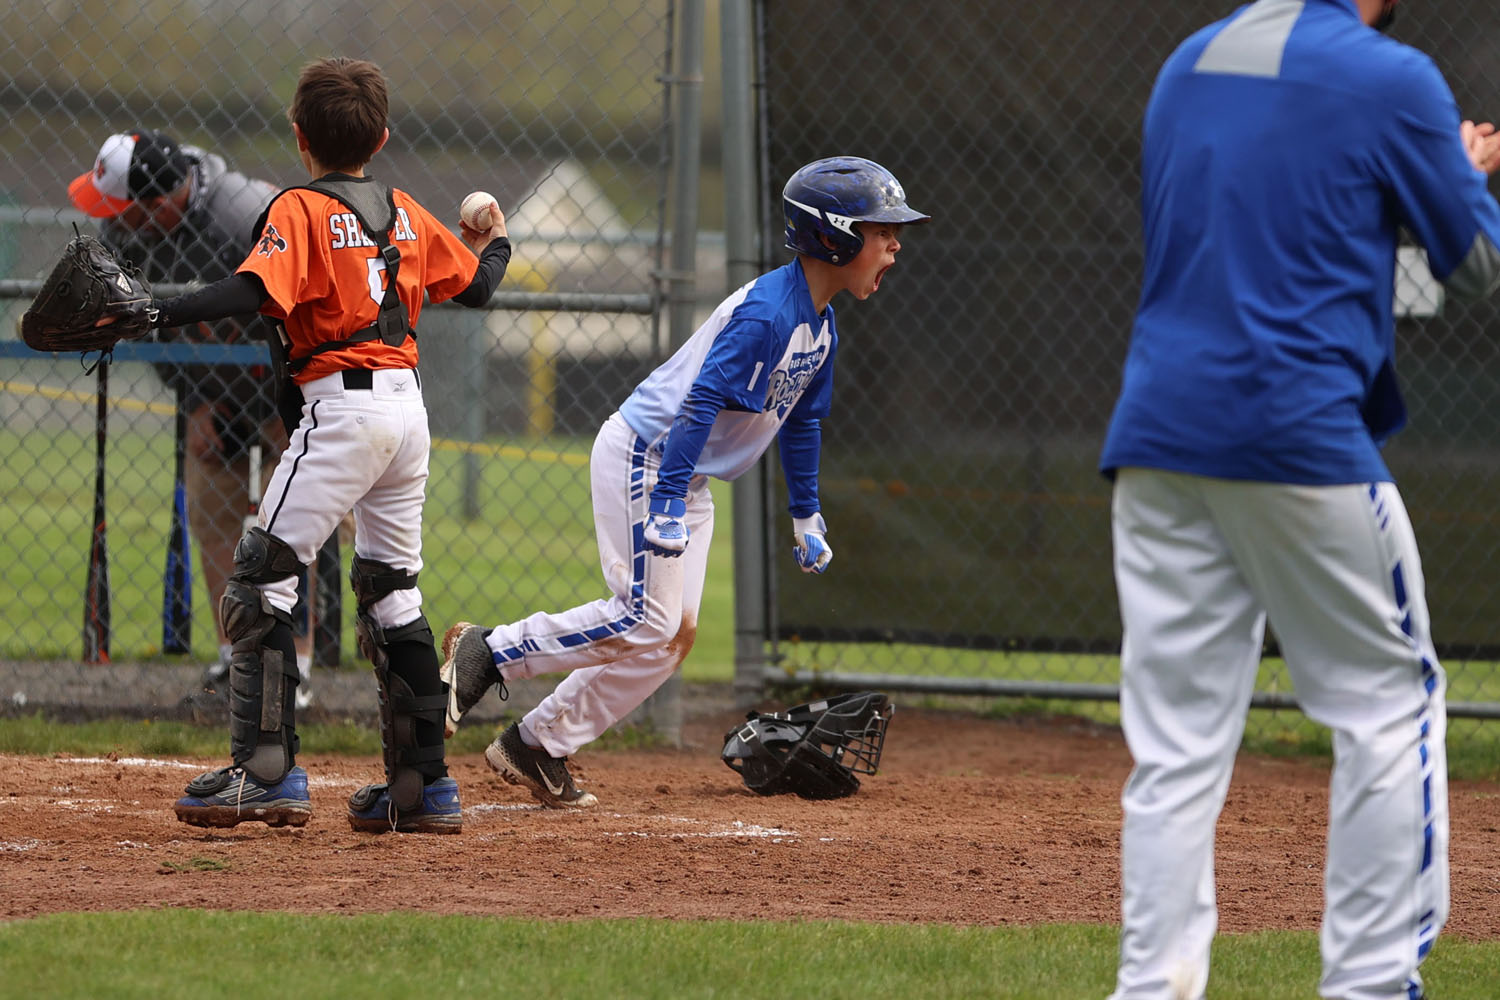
(417, 795)
(262, 783)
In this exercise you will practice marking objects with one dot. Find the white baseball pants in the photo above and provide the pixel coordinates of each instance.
(364, 450)
(621, 648)
(1199, 564)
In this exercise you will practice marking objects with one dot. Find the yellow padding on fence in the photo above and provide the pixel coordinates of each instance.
(74, 396)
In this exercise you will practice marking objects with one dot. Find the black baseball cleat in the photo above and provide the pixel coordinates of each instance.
(469, 671)
(545, 776)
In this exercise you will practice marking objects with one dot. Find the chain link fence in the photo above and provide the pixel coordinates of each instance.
(560, 110)
(971, 527)
(959, 477)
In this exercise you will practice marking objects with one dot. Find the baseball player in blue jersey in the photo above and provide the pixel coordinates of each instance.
(1283, 148)
(760, 368)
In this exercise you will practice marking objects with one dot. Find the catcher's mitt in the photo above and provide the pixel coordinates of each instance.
(88, 285)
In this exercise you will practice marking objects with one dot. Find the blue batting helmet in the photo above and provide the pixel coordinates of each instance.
(827, 197)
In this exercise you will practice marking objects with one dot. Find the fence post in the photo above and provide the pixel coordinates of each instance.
(662, 711)
(742, 259)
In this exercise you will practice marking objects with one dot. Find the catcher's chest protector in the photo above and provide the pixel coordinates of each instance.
(374, 206)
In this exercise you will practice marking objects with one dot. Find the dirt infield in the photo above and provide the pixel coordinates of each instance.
(970, 821)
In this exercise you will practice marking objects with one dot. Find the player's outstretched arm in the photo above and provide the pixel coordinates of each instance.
(801, 441)
(665, 532)
(239, 293)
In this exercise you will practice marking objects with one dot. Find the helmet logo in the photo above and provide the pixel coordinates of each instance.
(842, 222)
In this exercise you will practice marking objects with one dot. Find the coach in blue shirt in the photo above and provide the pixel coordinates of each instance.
(1284, 148)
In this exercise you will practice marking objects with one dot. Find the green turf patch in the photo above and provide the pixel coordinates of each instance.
(158, 955)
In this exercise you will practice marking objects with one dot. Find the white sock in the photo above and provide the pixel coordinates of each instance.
(304, 664)
(226, 650)
(527, 736)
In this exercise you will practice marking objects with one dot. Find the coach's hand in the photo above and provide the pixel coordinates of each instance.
(666, 535)
(812, 550)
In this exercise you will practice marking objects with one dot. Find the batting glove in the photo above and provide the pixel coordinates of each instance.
(666, 535)
(812, 551)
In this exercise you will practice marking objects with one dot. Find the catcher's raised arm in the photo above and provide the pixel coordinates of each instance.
(90, 301)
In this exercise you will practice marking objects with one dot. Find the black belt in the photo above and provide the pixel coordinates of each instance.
(364, 378)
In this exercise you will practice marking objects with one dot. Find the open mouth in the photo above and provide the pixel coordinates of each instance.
(879, 275)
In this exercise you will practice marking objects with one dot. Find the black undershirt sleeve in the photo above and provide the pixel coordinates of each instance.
(492, 263)
(231, 296)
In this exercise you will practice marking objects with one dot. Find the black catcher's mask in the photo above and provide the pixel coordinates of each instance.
(811, 750)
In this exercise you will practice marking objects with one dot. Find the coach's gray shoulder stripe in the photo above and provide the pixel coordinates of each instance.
(1478, 274)
(1253, 44)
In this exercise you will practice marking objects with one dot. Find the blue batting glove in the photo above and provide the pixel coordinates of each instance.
(666, 535)
(811, 550)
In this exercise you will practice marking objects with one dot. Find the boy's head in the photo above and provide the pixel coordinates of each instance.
(341, 109)
(825, 200)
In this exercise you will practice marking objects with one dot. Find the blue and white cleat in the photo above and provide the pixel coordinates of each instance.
(230, 796)
(372, 811)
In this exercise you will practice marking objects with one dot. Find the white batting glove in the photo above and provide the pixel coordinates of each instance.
(666, 535)
(812, 551)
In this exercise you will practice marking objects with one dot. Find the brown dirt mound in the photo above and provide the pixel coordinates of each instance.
(970, 821)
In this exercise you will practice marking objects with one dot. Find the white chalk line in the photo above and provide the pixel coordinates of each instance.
(312, 781)
(130, 762)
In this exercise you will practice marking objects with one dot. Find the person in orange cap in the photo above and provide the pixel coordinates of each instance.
(182, 215)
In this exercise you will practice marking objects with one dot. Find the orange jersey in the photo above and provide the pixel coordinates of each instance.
(324, 278)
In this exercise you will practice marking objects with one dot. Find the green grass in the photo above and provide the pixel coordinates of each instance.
(529, 547)
(159, 955)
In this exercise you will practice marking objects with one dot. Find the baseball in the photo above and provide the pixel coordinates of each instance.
(475, 210)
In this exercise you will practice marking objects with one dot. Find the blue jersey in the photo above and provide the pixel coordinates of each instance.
(1283, 149)
(759, 366)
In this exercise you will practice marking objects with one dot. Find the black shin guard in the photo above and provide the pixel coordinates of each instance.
(413, 699)
(263, 666)
(262, 697)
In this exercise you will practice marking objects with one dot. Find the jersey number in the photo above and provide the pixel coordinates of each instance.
(376, 267)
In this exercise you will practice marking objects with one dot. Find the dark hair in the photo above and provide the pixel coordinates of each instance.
(341, 108)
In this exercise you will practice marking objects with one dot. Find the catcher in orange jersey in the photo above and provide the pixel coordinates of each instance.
(342, 263)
